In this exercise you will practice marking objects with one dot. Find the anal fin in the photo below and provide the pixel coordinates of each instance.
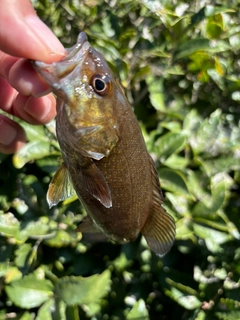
(159, 229)
(60, 188)
(90, 233)
(96, 184)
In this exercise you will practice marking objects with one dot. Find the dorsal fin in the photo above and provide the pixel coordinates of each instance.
(60, 187)
(159, 229)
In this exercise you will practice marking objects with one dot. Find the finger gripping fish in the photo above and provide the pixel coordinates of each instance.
(105, 157)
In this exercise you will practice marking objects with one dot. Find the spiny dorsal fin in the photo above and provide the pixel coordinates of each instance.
(60, 187)
(159, 229)
(96, 184)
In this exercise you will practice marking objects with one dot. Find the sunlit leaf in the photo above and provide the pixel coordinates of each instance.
(32, 150)
(184, 229)
(9, 273)
(22, 254)
(231, 315)
(139, 311)
(198, 45)
(27, 316)
(212, 203)
(189, 302)
(45, 311)
(156, 95)
(34, 132)
(29, 292)
(169, 144)
(9, 225)
(173, 180)
(212, 237)
(79, 290)
(61, 238)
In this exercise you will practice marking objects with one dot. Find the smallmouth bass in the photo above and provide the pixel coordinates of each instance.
(105, 157)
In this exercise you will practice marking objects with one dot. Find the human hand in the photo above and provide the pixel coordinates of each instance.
(24, 36)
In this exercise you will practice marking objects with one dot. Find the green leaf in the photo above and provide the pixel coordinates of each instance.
(22, 254)
(223, 164)
(184, 229)
(212, 203)
(27, 316)
(79, 290)
(196, 45)
(155, 88)
(34, 132)
(9, 273)
(213, 238)
(72, 312)
(35, 229)
(29, 292)
(32, 150)
(9, 225)
(189, 302)
(210, 136)
(169, 144)
(62, 238)
(201, 315)
(180, 203)
(44, 312)
(173, 180)
(49, 164)
(191, 122)
(176, 162)
(92, 310)
(139, 311)
(231, 315)
(213, 10)
(121, 263)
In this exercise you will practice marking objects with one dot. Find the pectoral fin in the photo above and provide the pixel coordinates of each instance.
(159, 230)
(96, 184)
(60, 187)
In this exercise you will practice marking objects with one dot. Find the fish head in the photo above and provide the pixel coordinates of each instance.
(85, 84)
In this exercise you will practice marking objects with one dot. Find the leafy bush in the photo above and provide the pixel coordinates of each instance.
(179, 65)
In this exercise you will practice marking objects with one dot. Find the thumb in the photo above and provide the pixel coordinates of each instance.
(24, 35)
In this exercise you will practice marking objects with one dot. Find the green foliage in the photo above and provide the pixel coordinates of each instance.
(179, 65)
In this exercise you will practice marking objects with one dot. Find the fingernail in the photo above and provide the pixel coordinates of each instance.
(44, 34)
(7, 133)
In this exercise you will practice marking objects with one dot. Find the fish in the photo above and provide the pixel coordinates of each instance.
(105, 159)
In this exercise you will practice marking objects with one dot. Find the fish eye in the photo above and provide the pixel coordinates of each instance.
(101, 84)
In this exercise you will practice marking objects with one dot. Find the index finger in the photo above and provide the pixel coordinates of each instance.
(23, 34)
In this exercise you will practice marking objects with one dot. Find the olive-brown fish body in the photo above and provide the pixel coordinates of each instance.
(127, 172)
(104, 152)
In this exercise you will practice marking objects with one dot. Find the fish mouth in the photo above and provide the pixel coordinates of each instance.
(79, 49)
(55, 71)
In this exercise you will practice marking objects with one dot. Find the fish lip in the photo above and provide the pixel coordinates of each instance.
(54, 72)
(78, 50)
(82, 38)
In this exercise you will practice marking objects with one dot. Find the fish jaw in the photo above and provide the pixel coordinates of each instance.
(55, 74)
